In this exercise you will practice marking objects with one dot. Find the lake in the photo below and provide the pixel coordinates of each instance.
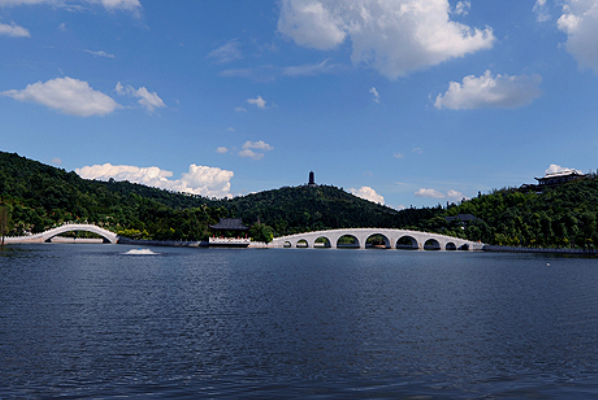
(90, 321)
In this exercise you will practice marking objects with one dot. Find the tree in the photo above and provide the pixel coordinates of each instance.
(261, 233)
(4, 223)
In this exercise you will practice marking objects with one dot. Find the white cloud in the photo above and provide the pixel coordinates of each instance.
(227, 53)
(376, 95)
(221, 150)
(435, 194)
(400, 207)
(502, 91)
(462, 7)
(398, 155)
(240, 109)
(62, 27)
(70, 96)
(258, 101)
(230, 129)
(99, 53)
(149, 100)
(553, 169)
(541, 11)
(259, 145)
(366, 192)
(453, 194)
(13, 30)
(417, 150)
(57, 161)
(251, 154)
(580, 22)
(393, 36)
(205, 181)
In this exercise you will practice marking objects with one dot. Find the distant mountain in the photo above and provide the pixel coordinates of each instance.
(40, 196)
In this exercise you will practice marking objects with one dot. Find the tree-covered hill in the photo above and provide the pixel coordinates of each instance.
(565, 216)
(307, 208)
(40, 196)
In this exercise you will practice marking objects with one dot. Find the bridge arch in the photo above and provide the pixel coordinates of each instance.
(407, 242)
(450, 246)
(109, 237)
(322, 242)
(377, 240)
(348, 241)
(432, 244)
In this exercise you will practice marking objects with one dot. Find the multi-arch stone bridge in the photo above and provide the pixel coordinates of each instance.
(49, 234)
(392, 238)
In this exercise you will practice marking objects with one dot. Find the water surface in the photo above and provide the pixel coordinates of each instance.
(89, 321)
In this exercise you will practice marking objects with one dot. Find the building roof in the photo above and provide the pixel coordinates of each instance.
(561, 174)
(230, 224)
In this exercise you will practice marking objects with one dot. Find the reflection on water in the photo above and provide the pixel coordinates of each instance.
(84, 321)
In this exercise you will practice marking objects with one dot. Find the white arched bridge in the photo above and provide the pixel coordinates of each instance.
(372, 237)
(49, 234)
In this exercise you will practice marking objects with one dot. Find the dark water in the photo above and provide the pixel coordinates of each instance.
(87, 321)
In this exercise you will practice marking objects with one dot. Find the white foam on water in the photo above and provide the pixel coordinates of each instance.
(140, 252)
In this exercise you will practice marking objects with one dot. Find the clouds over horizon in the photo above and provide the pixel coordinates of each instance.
(394, 37)
(68, 95)
(435, 194)
(202, 180)
(487, 91)
(367, 193)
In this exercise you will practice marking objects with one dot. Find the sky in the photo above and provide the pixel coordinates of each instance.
(402, 102)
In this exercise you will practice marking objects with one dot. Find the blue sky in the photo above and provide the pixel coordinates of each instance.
(404, 102)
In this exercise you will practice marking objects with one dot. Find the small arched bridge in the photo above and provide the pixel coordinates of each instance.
(379, 238)
(49, 234)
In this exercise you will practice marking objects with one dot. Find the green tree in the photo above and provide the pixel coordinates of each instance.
(261, 233)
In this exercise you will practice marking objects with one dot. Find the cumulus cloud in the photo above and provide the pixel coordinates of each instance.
(99, 53)
(435, 194)
(393, 36)
(221, 150)
(487, 91)
(149, 100)
(258, 101)
(366, 192)
(580, 22)
(205, 181)
(70, 96)
(554, 169)
(227, 53)
(454, 194)
(248, 148)
(13, 30)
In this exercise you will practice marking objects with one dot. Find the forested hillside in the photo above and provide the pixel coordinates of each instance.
(39, 196)
(562, 217)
